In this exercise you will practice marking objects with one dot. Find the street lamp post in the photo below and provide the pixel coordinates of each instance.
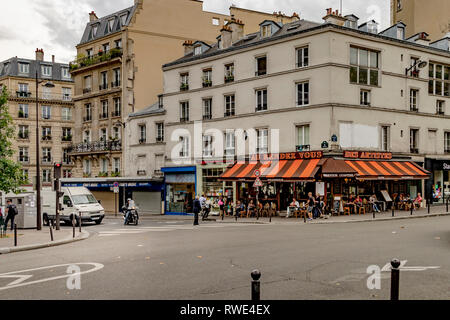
(38, 166)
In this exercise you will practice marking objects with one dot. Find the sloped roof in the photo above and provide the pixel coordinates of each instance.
(153, 109)
(10, 68)
(103, 25)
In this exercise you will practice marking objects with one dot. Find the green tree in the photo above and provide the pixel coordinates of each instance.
(10, 171)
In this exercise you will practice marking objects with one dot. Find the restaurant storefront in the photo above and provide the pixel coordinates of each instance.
(438, 185)
(334, 177)
(179, 190)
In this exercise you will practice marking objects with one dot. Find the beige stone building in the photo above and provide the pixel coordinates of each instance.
(332, 86)
(56, 122)
(431, 16)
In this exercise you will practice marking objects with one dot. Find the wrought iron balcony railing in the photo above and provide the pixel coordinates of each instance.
(98, 146)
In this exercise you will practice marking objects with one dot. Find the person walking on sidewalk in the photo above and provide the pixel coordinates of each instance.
(11, 212)
(196, 208)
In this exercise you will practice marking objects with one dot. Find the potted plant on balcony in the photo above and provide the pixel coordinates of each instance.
(115, 174)
(229, 78)
(103, 174)
(86, 175)
(184, 86)
(100, 52)
(21, 114)
(67, 138)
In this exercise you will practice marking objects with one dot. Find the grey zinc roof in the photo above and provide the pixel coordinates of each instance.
(10, 67)
(153, 109)
(102, 24)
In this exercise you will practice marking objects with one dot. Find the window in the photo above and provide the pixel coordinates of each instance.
(103, 135)
(142, 133)
(23, 91)
(104, 113)
(197, 50)
(266, 31)
(110, 25)
(439, 82)
(67, 94)
(414, 140)
(413, 99)
(261, 100)
(46, 133)
(116, 133)
(118, 43)
(447, 142)
(385, 138)
(184, 152)
(207, 78)
(116, 81)
(262, 141)
(399, 5)
(207, 109)
(184, 111)
(364, 98)
(24, 68)
(67, 173)
(229, 105)
(117, 107)
(66, 134)
(184, 78)
(66, 114)
(23, 111)
(87, 167)
(123, 19)
(23, 154)
(215, 21)
(87, 136)
(104, 81)
(261, 66)
(401, 33)
(104, 165)
(160, 132)
(23, 132)
(65, 73)
(94, 30)
(106, 47)
(46, 71)
(207, 146)
(364, 67)
(87, 112)
(302, 94)
(66, 157)
(302, 57)
(46, 175)
(440, 107)
(230, 142)
(229, 72)
(89, 53)
(46, 112)
(303, 137)
(87, 83)
(25, 174)
(46, 93)
(46, 155)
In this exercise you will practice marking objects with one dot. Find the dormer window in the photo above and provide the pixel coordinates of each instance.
(400, 33)
(110, 25)
(266, 31)
(24, 68)
(94, 30)
(399, 5)
(372, 27)
(46, 71)
(197, 50)
(123, 19)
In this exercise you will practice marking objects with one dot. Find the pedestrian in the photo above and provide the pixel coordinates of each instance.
(311, 204)
(11, 212)
(221, 206)
(196, 208)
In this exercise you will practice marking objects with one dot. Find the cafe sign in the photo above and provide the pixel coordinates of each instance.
(368, 155)
(288, 156)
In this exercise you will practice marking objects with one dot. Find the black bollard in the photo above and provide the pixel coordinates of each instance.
(80, 222)
(412, 208)
(15, 235)
(73, 225)
(270, 215)
(256, 288)
(304, 216)
(393, 210)
(374, 214)
(447, 205)
(50, 225)
(428, 205)
(395, 279)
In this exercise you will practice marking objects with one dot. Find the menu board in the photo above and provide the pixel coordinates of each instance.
(386, 196)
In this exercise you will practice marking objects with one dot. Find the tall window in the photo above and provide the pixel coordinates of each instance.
(46, 93)
(24, 68)
(104, 81)
(364, 66)
(207, 109)
(414, 140)
(46, 175)
(117, 107)
(87, 83)
(87, 112)
(302, 57)
(230, 143)
(439, 83)
(364, 98)
(302, 94)
(25, 174)
(303, 137)
(67, 134)
(207, 78)
(142, 133)
(23, 88)
(66, 114)
(261, 99)
(229, 105)
(23, 154)
(23, 132)
(66, 157)
(184, 152)
(46, 112)
(87, 167)
(447, 142)
(184, 79)
(23, 111)
(118, 43)
(262, 145)
(160, 132)
(229, 72)
(103, 134)
(413, 100)
(184, 111)
(116, 133)
(67, 94)
(46, 155)
(87, 136)
(104, 113)
(261, 66)
(385, 138)
(65, 73)
(266, 31)
(440, 107)
(116, 82)
(104, 165)
(46, 133)
(207, 146)
(106, 47)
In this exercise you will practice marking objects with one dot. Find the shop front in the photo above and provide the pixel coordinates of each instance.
(179, 189)
(438, 186)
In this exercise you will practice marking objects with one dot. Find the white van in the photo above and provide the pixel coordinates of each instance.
(76, 200)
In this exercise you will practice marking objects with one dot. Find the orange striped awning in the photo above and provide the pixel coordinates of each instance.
(273, 170)
(389, 170)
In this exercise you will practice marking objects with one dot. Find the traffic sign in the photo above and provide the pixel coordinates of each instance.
(116, 185)
(116, 189)
(258, 183)
(257, 173)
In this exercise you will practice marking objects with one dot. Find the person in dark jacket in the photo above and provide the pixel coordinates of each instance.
(11, 212)
(197, 207)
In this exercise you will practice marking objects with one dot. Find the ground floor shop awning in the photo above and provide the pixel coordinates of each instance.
(289, 170)
(387, 170)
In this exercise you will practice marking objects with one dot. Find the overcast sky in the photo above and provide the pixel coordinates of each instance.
(57, 25)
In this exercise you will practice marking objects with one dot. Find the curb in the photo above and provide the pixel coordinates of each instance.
(84, 235)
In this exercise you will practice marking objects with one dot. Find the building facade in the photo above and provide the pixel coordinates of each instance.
(332, 87)
(430, 16)
(55, 113)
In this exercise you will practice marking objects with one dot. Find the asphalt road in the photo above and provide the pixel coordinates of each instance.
(174, 260)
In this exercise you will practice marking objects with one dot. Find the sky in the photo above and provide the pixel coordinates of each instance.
(57, 25)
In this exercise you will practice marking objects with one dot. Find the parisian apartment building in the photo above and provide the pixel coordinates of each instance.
(55, 113)
(337, 85)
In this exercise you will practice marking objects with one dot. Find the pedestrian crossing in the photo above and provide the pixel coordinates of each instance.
(163, 228)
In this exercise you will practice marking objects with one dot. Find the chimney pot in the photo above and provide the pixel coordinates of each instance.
(53, 58)
(92, 16)
(39, 54)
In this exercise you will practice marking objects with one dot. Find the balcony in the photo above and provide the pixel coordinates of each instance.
(98, 146)
(101, 57)
(87, 118)
(87, 90)
(414, 109)
(229, 78)
(42, 95)
(23, 94)
(46, 160)
(115, 84)
(67, 138)
(24, 159)
(23, 135)
(414, 150)
(304, 147)
(47, 138)
(141, 172)
(159, 139)
(103, 86)
(184, 87)
(103, 115)
(207, 83)
(115, 114)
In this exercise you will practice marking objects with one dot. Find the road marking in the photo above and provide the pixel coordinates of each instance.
(388, 268)
(21, 278)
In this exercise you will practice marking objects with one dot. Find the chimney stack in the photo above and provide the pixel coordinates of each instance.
(334, 17)
(188, 45)
(53, 58)
(423, 39)
(226, 36)
(92, 17)
(39, 54)
(237, 30)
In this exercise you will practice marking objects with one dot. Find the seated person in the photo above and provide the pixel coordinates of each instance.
(292, 207)
(373, 201)
(239, 208)
(418, 200)
(358, 201)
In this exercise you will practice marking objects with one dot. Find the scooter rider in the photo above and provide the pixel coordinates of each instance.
(130, 204)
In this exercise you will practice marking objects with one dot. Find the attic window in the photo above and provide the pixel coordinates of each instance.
(94, 30)
(399, 5)
(123, 19)
(215, 21)
(197, 50)
(372, 27)
(400, 33)
(266, 31)
(110, 25)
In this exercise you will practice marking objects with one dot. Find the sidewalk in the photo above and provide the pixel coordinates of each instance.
(32, 239)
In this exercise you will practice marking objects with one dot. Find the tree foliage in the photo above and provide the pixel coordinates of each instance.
(11, 177)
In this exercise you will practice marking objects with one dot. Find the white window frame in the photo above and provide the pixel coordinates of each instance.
(24, 68)
(230, 143)
(208, 146)
(160, 131)
(414, 99)
(266, 30)
(184, 152)
(230, 105)
(304, 100)
(447, 141)
(262, 141)
(261, 95)
(302, 58)
(369, 67)
(142, 133)
(302, 128)
(207, 108)
(67, 94)
(65, 73)
(46, 112)
(66, 114)
(46, 70)
(184, 111)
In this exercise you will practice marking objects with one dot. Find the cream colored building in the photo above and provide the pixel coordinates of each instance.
(431, 16)
(56, 122)
(310, 82)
